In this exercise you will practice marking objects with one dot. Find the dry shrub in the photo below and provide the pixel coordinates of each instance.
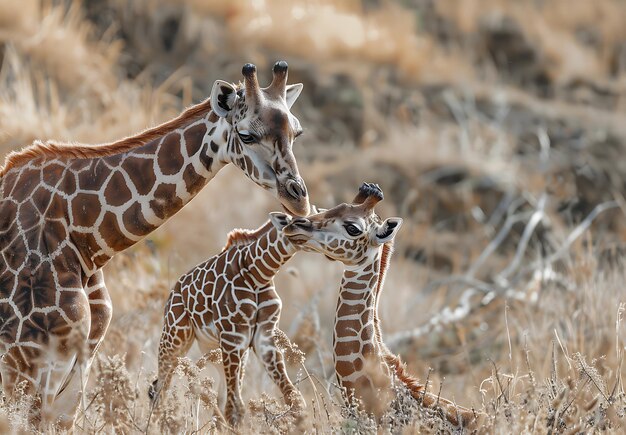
(290, 350)
(114, 394)
(16, 411)
(198, 388)
(270, 416)
(170, 415)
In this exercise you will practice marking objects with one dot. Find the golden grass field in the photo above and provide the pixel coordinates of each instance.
(497, 130)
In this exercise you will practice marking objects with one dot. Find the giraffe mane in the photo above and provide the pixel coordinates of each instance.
(53, 149)
(385, 261)
(453, 413)
(240, 236)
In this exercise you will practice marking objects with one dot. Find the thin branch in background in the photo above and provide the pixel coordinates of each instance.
(500, 210)
(581, 228)
(511, 220)
(534, 220)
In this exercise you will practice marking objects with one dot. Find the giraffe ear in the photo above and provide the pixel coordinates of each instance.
(280, 220)
(387, 231)
(223, 97)
(293, 92)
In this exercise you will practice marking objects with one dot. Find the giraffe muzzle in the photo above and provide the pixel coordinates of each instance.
(293, 196)
(299, 230)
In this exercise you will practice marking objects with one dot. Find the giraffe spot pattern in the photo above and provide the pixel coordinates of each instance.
(116, 191)
(85, 209)
(169, 157)
(225, 302)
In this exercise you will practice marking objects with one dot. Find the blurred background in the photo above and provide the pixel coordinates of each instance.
(497, 130)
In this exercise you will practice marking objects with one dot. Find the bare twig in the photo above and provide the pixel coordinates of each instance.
(534, 220)
(573, 235)
(502, 393)
(511, 220)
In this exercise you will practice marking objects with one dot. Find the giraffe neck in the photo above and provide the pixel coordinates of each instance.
(129, 195)
(261, 259)
(363, 363)
(358, 349)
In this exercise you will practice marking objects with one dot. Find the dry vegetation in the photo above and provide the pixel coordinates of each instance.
(496, 130)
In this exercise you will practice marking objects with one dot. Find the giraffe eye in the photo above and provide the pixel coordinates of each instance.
(246, 138)
(352, 230)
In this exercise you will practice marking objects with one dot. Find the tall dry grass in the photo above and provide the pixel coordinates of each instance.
(505, 292)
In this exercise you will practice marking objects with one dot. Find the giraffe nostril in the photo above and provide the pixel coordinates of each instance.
(295, 189)
(302, 187)
(302, 222)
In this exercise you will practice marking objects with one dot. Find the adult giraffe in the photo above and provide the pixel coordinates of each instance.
(66, 209)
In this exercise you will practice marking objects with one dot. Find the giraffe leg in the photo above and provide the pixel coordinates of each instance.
(101, 310)
(176, 339)
(274, 364)
(48, 345)
(18, 377)
(234, 347)
(265, 347)
(101, 313)
(62, 375)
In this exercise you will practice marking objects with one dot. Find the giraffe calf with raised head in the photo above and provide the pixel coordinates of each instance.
(355, 235)
(229, 303)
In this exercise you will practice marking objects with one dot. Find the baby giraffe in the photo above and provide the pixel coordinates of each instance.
(356, 236)
(229, 302)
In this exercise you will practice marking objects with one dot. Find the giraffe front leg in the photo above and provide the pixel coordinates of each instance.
(101, 310)
(265, 347)
(176, 339)
(234, 348)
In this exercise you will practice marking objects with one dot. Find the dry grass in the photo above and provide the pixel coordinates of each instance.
(495, 129)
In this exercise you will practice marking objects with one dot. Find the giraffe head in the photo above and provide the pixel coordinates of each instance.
(261, 131)
(350, 233)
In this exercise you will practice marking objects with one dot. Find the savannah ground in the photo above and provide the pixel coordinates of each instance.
(496, 129)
